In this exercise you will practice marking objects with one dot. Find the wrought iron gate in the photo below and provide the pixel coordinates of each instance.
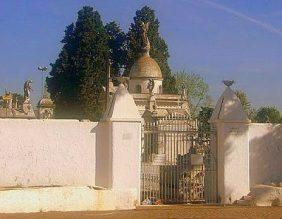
(178, 162)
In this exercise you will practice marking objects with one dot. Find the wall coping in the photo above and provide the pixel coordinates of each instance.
(137, 120)
(231, 121)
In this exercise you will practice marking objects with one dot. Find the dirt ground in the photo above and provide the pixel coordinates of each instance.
(172, 211)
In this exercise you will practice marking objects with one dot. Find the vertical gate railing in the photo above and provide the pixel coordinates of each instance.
(178, 162)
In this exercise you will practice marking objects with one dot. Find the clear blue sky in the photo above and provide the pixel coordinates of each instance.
(227, 39)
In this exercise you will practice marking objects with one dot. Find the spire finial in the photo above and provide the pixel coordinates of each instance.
(228, 83)
(145, 41)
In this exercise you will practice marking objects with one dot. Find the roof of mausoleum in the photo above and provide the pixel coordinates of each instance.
(145, 67)
(161, 97)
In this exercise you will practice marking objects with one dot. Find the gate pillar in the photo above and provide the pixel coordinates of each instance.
(232, 146)
(124, 126)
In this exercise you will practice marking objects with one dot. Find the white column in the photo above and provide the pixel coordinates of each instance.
(232, 126)
(124, 124)
(126, 146)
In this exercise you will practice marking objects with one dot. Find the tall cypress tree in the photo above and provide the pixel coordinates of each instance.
(159, 49)
(79, 73)
(63, 83)
(117, 46)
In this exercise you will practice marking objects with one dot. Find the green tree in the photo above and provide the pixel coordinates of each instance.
(204, 117)
(244, 100)
(118, 48)
(159, 48)
(78, 75)
(268, 115)
(196, 90)
(247, 106)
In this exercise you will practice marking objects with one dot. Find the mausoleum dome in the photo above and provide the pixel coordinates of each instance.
(145, 67)
(46, 102)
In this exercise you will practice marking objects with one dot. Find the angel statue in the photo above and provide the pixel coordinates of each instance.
(145, 40)
(27, 90)
(183, 91)
(151, 85)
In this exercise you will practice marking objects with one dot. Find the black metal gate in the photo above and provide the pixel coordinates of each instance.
(178, 162)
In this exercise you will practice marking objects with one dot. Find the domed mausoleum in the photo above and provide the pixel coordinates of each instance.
(145, 84)
(45, 106)
(143, 69)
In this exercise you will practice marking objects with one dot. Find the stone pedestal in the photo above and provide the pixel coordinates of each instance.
(28, 110)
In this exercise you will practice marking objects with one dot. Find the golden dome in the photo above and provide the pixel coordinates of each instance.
(145, 67)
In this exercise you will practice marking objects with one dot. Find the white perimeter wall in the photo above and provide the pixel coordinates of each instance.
(47, 152)
(265, 153)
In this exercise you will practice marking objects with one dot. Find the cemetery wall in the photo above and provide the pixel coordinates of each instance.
(47, 153)
(265, 153)
(63, 162)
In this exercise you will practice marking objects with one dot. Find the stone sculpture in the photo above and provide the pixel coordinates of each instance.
(27, 108)
(151, 85)
(27, 90)
(145, 41)
(183, 92)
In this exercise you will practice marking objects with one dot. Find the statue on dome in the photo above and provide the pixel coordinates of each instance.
(145, 40)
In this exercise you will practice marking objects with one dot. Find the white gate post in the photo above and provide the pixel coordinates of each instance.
(232, 126)
(124, 123)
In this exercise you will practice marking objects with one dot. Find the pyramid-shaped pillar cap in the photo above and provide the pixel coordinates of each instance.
(229, 108)
(122, 107)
